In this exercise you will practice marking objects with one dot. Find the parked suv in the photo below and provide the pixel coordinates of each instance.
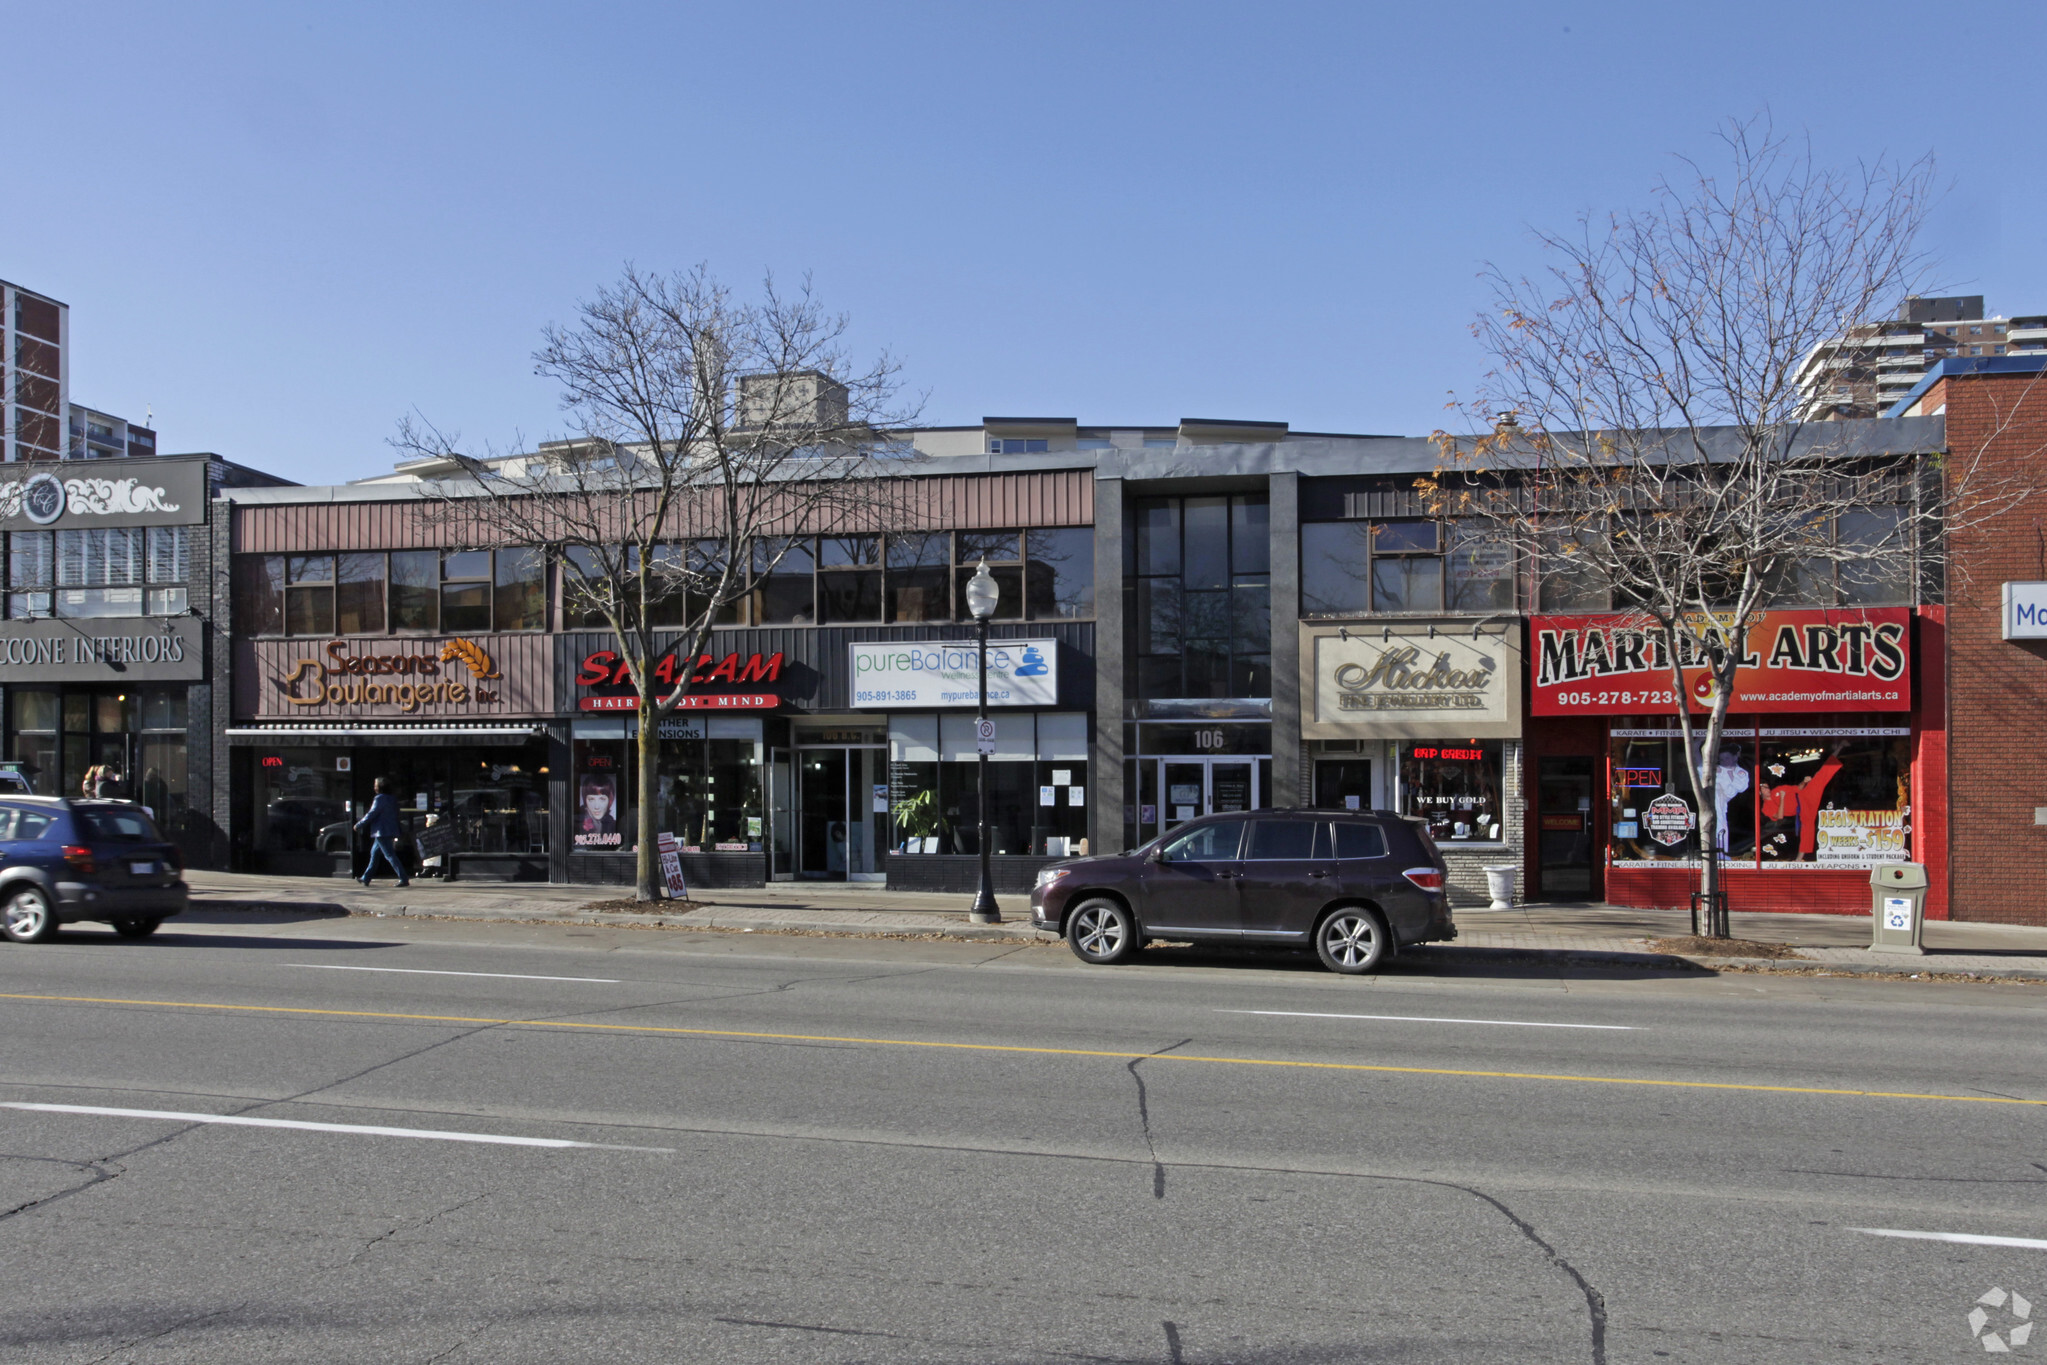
(63, 861)
(1358, 885)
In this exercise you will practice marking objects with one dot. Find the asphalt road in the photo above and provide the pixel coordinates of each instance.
(802, 1149)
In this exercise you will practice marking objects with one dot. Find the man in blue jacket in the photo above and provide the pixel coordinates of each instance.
(381, 820)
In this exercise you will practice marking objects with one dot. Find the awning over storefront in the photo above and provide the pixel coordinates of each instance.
(385, 734)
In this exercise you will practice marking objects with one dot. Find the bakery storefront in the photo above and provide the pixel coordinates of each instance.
(1812, 782)
(458, 726)
(1422, 717)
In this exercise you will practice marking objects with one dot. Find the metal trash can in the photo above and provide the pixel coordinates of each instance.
(1499, 882)
(1898, 909)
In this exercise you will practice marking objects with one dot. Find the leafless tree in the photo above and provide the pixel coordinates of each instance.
(1645, 443)
(708, 434)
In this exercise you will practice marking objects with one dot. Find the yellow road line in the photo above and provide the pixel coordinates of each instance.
(1035, 1051)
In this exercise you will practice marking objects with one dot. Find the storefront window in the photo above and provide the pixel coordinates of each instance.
(711, 794)
(600, 821)
(710, 788)
(1818, 796)
(1655, 812)
(302, 802)
(1038, 785)
(1455, 786)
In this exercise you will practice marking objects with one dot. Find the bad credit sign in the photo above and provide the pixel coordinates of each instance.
(918, 673)
(1804, 660)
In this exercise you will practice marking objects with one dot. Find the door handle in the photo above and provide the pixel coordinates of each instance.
(1318, 874)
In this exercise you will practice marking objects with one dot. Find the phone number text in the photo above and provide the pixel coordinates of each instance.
(1665, 698)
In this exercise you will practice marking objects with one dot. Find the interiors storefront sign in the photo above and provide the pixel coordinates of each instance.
(1801, 660)
(1430, 680)
(141, 649)
(912, 674)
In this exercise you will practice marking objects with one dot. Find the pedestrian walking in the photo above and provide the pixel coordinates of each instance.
(380, 821)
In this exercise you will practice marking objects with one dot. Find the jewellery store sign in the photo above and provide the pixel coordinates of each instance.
(140, 649)
(1413, 681)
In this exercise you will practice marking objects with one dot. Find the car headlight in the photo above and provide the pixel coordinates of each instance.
(1046, 876)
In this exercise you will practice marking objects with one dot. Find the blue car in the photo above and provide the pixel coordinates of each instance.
(65, 861)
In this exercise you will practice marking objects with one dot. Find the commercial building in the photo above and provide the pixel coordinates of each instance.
(1865, 371)
(37, 419)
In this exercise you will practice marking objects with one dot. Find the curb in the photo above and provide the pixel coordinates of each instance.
(1020, 931)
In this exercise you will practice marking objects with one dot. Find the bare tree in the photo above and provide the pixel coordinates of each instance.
(709, 434)
(1646, 444)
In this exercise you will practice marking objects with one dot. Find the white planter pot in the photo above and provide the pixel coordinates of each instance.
(1499, 882)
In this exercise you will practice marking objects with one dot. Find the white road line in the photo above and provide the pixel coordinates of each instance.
(423, 971)
(1973, 1239)
(359, 1129)
(1425, 1019)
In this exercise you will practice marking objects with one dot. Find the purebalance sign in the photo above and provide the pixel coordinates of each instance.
(912, 674)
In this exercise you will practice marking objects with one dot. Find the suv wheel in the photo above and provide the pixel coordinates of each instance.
(27, 917)
(136, 928)
(1102, 932)
(1352, 941)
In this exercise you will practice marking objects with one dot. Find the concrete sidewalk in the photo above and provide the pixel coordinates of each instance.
(1588, 935)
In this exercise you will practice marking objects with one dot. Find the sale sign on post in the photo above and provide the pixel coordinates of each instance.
(1806, 660)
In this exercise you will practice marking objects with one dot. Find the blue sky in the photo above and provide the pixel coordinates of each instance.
(283, 227)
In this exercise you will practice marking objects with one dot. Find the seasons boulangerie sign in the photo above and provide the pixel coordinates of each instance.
(395, 678)
(1791, 661)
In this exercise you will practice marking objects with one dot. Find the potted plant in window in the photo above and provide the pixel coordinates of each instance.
(916, 820)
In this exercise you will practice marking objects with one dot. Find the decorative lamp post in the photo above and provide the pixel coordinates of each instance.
(982, 594)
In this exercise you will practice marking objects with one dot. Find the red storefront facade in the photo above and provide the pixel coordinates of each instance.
(1834, 758)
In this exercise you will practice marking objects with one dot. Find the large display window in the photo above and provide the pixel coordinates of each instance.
(1785, 796)
(1037, 784)
(1455, 785)
(708, 786)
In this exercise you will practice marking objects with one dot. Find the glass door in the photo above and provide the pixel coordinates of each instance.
(781, 816)
(824, 835)
(1191, 787)
(1564, 810)
(1343, 784)
(867, 822)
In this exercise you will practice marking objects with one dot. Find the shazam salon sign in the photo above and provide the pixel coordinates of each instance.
(913, 674)
(130, 650)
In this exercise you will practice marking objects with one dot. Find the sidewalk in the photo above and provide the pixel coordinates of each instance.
(1578, 934)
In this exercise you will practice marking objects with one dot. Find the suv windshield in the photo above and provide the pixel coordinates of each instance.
(115, 825)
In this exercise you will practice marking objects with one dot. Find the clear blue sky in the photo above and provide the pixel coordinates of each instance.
(283, 226)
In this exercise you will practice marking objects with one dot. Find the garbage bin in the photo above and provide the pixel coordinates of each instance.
(1499, 882)
(1898, 893)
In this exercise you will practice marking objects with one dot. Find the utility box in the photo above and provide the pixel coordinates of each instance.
(1898, 910)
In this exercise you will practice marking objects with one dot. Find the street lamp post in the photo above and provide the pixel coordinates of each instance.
(982, 594)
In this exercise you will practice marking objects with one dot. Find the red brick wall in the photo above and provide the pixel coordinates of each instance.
(1997, 698)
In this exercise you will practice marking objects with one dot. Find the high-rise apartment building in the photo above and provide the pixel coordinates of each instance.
(1864, 372)
(37, 419)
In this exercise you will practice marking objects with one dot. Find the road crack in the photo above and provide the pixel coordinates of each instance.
(1158, 1168)
(1595, 1302)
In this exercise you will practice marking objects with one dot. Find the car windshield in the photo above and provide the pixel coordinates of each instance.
(115, 825)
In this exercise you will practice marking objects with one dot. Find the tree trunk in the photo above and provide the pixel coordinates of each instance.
(647, 885)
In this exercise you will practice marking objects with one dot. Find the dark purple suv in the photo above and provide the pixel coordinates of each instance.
(1358, 885)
